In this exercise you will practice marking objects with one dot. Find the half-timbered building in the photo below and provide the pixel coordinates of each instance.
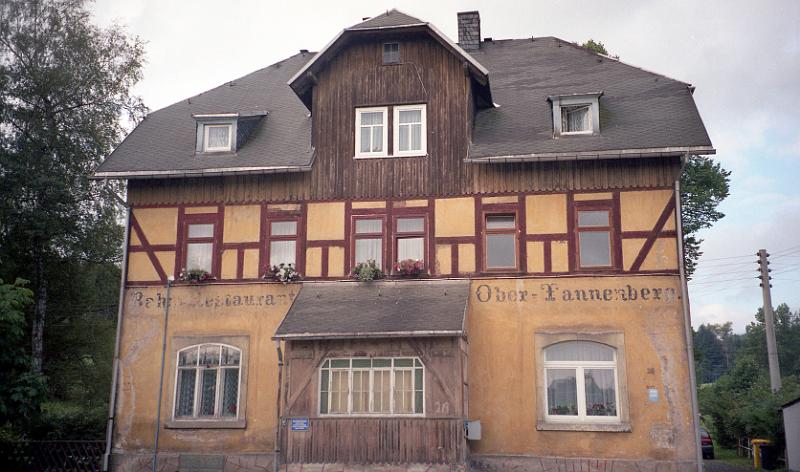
(515, 202)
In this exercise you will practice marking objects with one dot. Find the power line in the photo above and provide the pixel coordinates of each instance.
(720, 281)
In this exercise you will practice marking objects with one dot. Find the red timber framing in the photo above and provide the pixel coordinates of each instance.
(216, 219)
(611, 208)
(393, 209)
(500, 209)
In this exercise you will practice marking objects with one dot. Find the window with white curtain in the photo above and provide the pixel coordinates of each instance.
(368, 240)
(409, 130)
(282, 239)
(410, 238)
(217, 137)
(207, 382)
(500, 233)
(581, 382)
(372, 136)
(576, 119)
(199, 247)
(372, 386)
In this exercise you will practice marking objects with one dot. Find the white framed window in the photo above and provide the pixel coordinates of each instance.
(372, 136)
(217, 137)
(576, 119)
(410, 135)
(582, 384)
(372, 386)
(207, 382)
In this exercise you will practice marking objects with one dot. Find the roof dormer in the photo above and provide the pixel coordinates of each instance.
(224, 133)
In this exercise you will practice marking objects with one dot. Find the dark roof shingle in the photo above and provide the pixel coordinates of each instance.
(392, 18)
(377, 309)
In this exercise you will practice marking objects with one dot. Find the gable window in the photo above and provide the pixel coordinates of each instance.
(500, 241)
(282, 240)
(217, 137)
(576, 114)
(410, 130)
(364, 386)
(372, 137)
(576, 119)
(199, 247)
(391, 53)
(368, 240)
(593, 228)
(409, 237)
(581, 381)
(207, 382)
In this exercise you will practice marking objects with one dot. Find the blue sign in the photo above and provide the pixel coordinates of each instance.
(299, 424)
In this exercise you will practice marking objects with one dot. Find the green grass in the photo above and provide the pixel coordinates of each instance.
(729, 456)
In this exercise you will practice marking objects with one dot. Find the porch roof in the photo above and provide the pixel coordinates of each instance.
(337, 310)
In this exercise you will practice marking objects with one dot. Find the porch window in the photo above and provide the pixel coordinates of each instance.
(282, 240)
(379, 386)
(500, 232)
(368, 240)
(582, 385)
(594, 237)
(207, 382)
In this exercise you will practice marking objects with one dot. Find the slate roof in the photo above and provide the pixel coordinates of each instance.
(638, 109)
(384, 309)
(641, 113)
(165, 141)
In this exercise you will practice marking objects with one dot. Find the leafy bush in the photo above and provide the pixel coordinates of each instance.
(63, 420)
(366, 271)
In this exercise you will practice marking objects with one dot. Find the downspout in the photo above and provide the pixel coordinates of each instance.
(112, 402)
(687, 321)
(278, 427)
(161, 373)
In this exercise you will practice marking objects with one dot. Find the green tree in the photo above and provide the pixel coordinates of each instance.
(787, 337)
(21, 390)
(704, 185)
(595, 46)
(65, 85)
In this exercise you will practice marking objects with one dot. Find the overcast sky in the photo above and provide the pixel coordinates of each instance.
(743, 57)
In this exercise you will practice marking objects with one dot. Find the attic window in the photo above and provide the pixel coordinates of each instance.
(576, 114)
(217, 137)
(391, 53)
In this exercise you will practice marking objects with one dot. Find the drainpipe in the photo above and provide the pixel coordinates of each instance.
(161, 373)
(687, 321)
(112, 402)
(277, 459)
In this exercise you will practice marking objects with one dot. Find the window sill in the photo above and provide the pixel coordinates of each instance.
(576, 133)
(389, 156)
(600, 427)
(206, 424)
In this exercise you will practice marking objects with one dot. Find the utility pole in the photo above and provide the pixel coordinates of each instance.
(769, 320)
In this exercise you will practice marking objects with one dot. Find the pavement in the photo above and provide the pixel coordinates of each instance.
(719, 466)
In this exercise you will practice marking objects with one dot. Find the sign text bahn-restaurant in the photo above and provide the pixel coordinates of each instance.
(518, 195)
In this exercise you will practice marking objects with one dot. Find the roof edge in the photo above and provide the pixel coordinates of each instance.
(381, 334)
(212, 172)
(589, 155)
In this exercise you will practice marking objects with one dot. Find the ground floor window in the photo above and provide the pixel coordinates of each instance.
(207, 382)
(379, 386)
(581, 382)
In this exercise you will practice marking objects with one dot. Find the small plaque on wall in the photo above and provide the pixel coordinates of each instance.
(298, 424)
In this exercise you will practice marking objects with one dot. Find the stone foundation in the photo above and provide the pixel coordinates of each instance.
(493, 463)
(171, 462)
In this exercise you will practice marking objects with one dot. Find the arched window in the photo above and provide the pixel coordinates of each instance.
(207, 382)
(581, 380)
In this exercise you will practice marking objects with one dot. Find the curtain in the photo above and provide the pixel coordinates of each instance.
(208, 392)
(403, 391)
(230, 392)
(381, 391)
(282, 251)
(575, 119)
(339, 388)
(562, 392)
(360, 391)
(600, 394)
(371, 132)
(184, 406)
(411, 248)
(218, 136)
(199, 256)
(579, 351)
(367, 249)
(410, 130)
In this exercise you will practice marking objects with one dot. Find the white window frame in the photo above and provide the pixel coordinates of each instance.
(579, 367)
(396, 131)
(357, 148)
(589, 130)
(207, 127)
(391, 369)
(592, 100)
(197, 386)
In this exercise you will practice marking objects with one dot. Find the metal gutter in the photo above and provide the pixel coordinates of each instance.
(687, 321)
(213, 172)
(589, 155)
(112, 402)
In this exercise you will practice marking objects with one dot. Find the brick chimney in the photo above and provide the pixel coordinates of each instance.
(469, 30)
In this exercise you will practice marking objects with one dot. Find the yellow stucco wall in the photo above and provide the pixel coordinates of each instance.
(205, 310)
(375, 204)
(640, 210)
(325, 221)
(535, 252)
(578, 197)
(559, 251)
(663, 255)
(411, 203)
(229, 260)
(546, 214)
(201, 209)
(250, 270)
(444, 262)
(455, 217)
(160, 225)
(466, 258)
(140, 269)
(503, 372)
(314, 262)
(335, 261)
(242, 223)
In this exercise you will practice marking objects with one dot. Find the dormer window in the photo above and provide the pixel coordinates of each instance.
(576, 114)
(217, 137)
(391, 53)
